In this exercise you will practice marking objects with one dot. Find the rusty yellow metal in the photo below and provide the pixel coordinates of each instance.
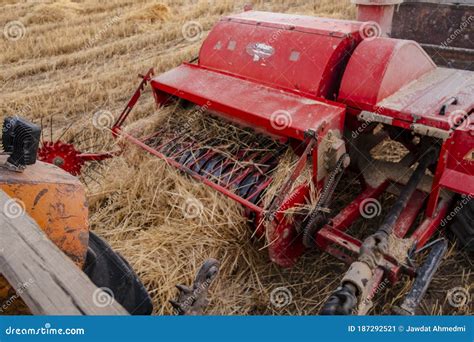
(56, 201)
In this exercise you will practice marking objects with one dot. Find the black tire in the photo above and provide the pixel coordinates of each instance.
(108, 269)
(462, 225)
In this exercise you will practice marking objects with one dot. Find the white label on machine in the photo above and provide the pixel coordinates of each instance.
(259, 51)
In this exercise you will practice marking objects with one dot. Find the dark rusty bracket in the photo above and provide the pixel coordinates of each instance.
(424, 275)
(192, 300)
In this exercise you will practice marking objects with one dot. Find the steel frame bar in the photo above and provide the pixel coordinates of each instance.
(96, 156)
(333, 239)
(133, 100)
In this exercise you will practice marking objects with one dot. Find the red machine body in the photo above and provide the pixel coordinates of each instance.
(256, 63)
(325, 78)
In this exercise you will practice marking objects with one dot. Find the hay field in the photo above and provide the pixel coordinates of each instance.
(71, 59)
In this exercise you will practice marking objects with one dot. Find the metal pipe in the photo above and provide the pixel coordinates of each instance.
(379, 11)
(423, 279)
(406, 193)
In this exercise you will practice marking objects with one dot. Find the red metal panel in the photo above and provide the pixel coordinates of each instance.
(249, 103)
(461, 158)
(380, 67)
(285, 243)
(393, 78)
(430, 224)
(422, 101)
(458, 182)
(294, 52)
(303, 23)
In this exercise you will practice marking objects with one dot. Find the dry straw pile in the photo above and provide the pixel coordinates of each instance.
(76, 58)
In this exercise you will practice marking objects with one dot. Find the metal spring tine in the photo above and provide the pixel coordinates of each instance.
(231, 176)
(170, 145)
(254, 171)
(194, 157)
(211, 164)
(51, 127)
(221, 171)
(251, 167)
(268, 162)
(254, 196)
(203, 160)
(65, 130)
(240, 177)
(209, 150)
(184, 157)
(218, 168)
(187, 152)
(181, 150)
(42, 131)
(246, 183)
(192, 141)
(156, 137)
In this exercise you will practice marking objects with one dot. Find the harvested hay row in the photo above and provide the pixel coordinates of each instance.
(52, 12)
(46, 14)
(153, 13)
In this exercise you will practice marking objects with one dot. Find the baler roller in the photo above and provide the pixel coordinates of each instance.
(245, 170)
